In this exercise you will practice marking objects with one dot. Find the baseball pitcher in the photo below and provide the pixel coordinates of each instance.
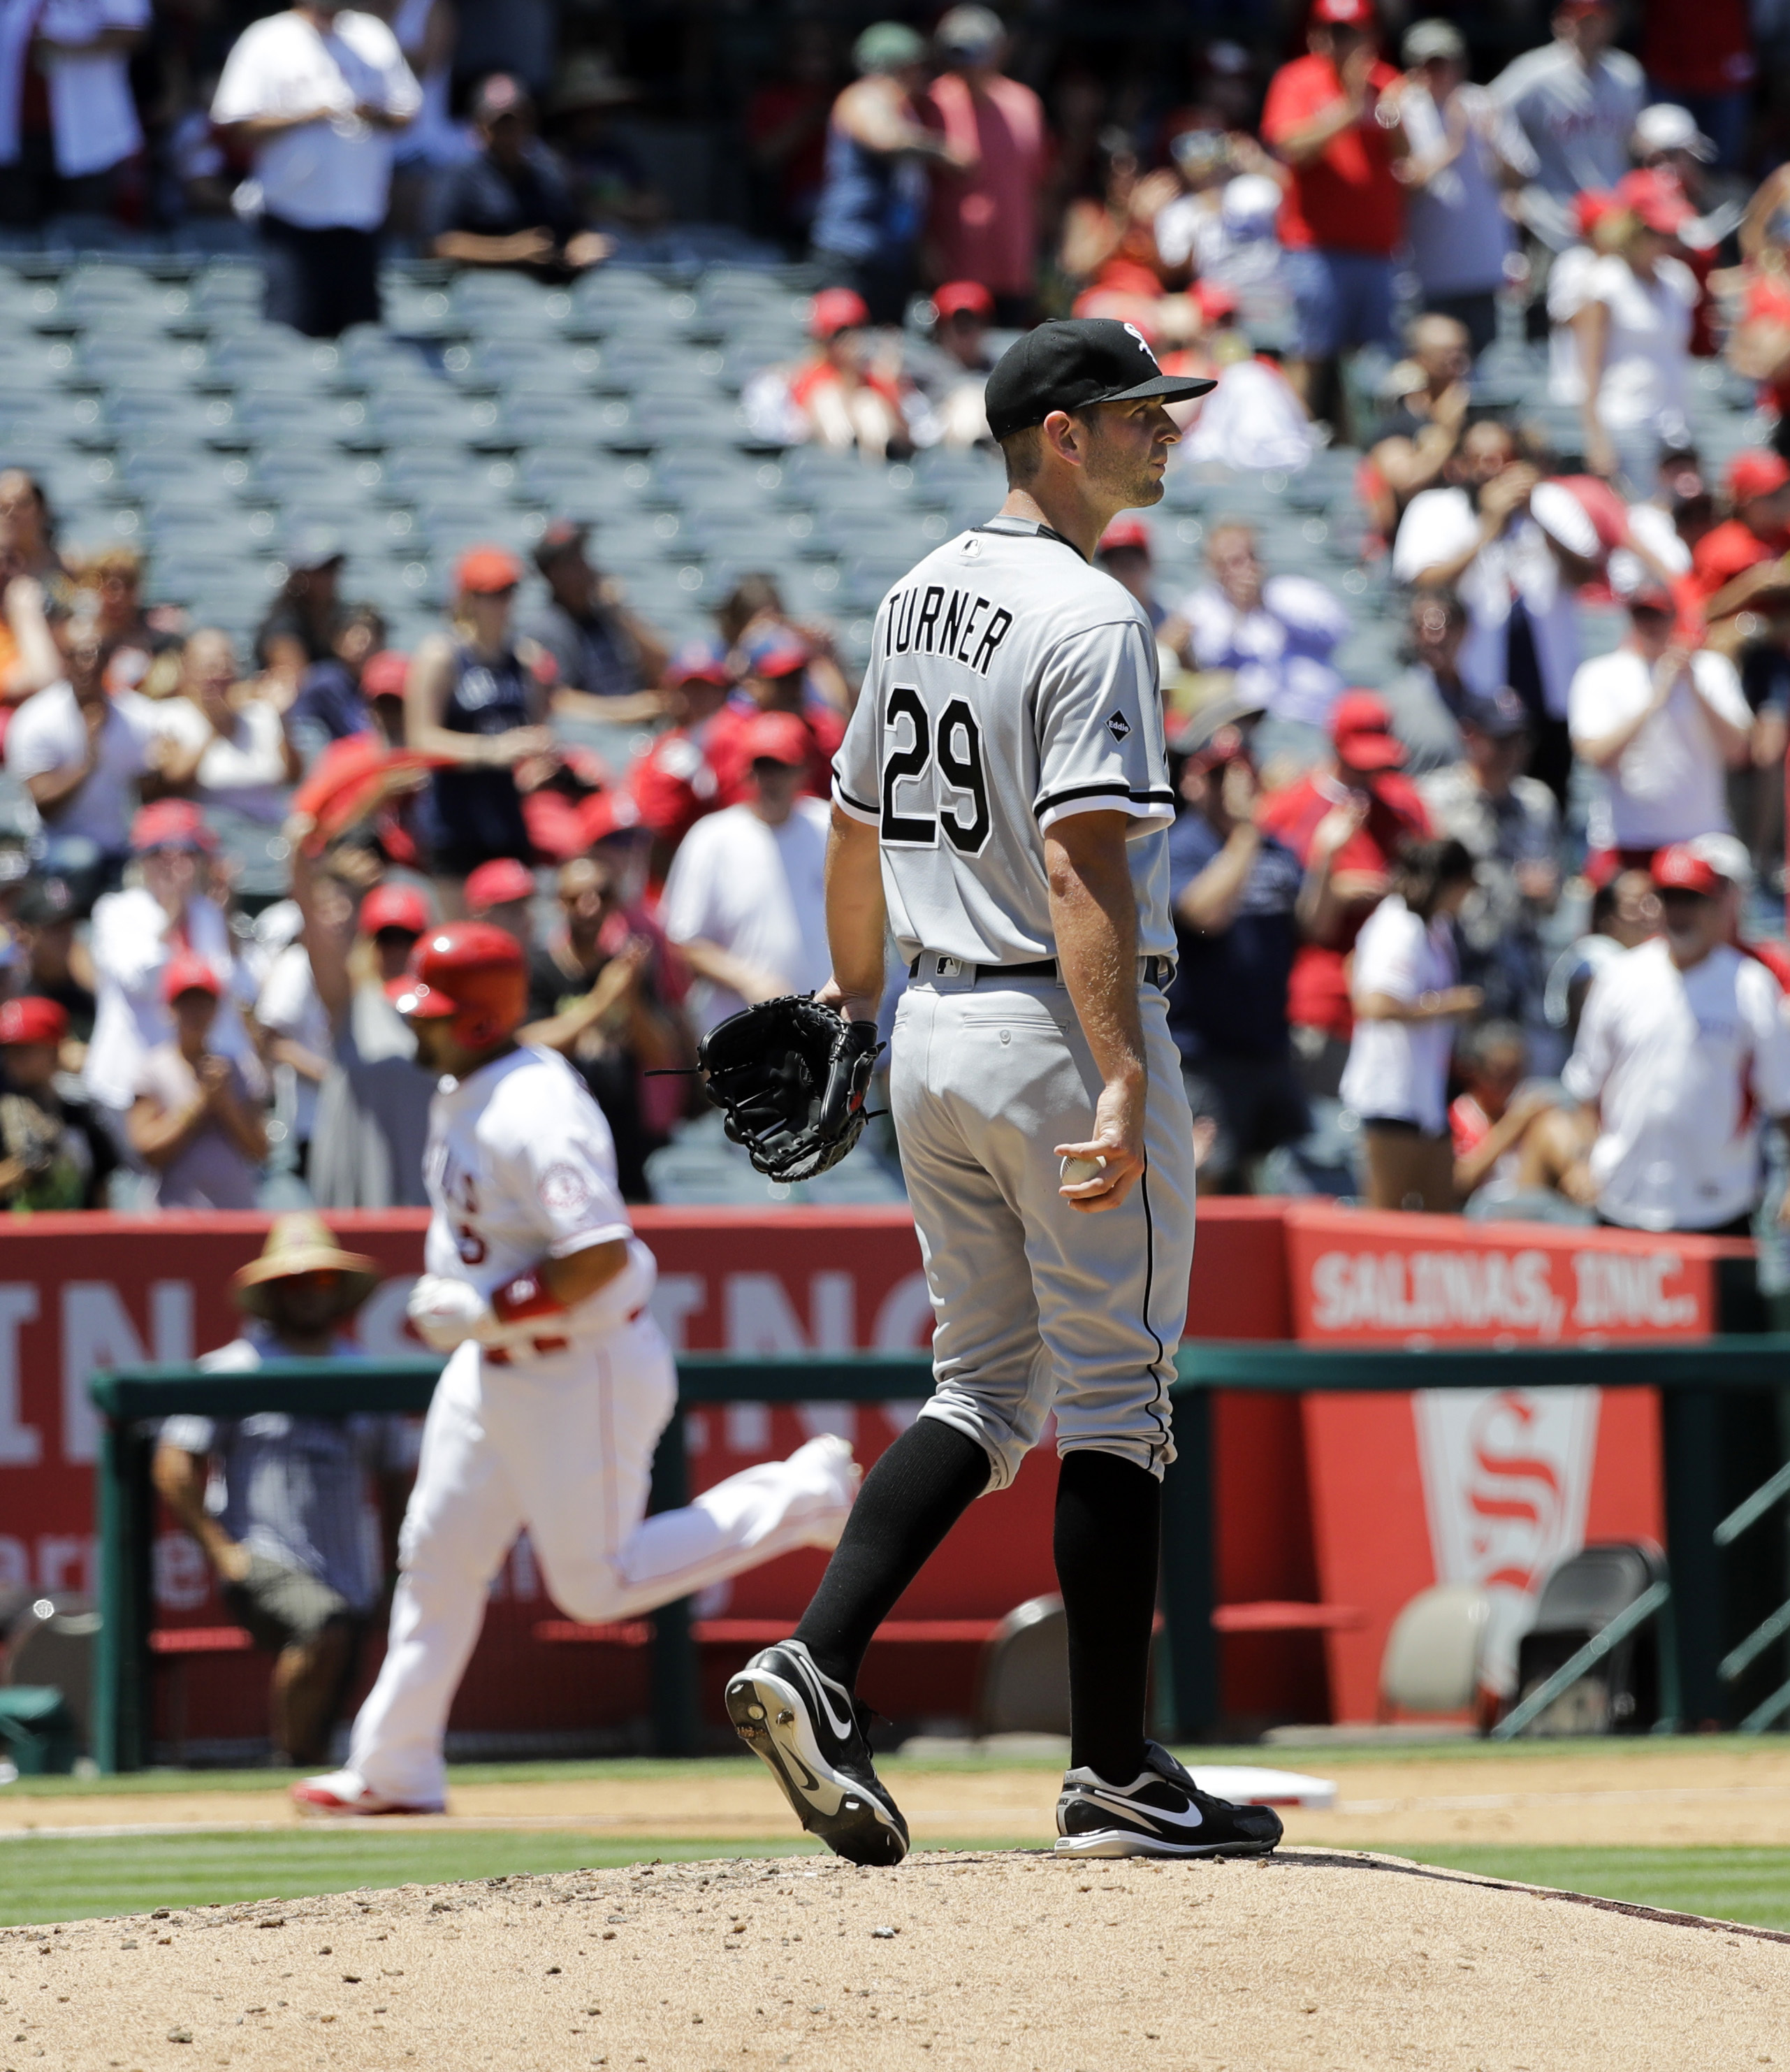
(559, 1385)
(1001, 802)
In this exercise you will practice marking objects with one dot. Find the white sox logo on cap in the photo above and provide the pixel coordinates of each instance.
(1143, 345)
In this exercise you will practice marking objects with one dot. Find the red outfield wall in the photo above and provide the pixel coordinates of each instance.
(1302, 1506)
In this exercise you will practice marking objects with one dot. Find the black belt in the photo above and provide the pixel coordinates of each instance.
(1157, 970)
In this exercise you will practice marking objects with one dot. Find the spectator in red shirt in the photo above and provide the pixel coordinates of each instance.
(1343, 216)
(1737, 561)
(1345, 823)
(1699, 53)
(674, 783)
(984, 222)
(775, 663)
(846, 394)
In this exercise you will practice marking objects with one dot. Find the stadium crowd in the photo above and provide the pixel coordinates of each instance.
(1476, 933)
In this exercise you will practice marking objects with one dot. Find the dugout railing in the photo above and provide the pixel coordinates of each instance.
(1691, 1376)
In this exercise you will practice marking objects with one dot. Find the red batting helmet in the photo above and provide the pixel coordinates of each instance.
(471, 975)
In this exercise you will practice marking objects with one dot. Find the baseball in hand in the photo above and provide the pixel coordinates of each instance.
(1077, 1170)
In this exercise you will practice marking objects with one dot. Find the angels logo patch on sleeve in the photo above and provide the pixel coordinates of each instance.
(564, 1191)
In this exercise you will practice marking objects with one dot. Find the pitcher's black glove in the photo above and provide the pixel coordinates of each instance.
(790, 1075)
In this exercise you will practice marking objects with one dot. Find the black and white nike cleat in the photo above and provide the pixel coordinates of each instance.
(1161, 1812)
(808, 1730)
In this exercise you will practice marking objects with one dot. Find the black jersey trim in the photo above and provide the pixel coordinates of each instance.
(1033, 532)
(1161, 1449)
(1108, 791)
(874, 811)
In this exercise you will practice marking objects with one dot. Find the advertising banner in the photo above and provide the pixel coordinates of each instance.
(1491, 1487)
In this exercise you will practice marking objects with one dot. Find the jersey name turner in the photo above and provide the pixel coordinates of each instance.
(922, 620)
(1010, 685)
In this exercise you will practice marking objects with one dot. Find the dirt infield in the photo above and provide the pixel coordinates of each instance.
(1018, 1961)
(1661, 1794)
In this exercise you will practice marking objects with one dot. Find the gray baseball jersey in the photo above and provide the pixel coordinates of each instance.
(1010, 685)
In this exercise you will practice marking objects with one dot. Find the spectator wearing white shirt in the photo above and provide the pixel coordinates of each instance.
(1512, 547)
(1662, 725)
(81, 752)
(1276, 633)
(1461, 159)
(744, 900)
(1407, 998)
(1684, 1052)
(1573, 103)
(1632, 331)
(229, 746)
(296, 1034)
(172, 911)
(1569, 276)
(318, 93)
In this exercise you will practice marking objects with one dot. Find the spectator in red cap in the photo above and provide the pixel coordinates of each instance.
(475, 700)
(1345, 821)
(1632, 330)
(983, 226)
(848, 392)
(175, 908)
(372, 1106)
(511, 204)
(1574, 102)
(53, 1152)
(950, 368)
(1329, 115)
(1569, 275)
(1124, 552)
(774, 660)
(604, 651)
(675, 781)
(597, 994)
(502, 892)
(873, 198)
(1406, 997)
(1741, 560)
(194, 1122)
(745, 900)
(1661, 723)
(1684, 1055)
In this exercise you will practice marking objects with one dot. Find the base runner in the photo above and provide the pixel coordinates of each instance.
(1002, 802)
(559, 1384)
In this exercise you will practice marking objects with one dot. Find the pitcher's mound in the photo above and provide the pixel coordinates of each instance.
(1310, 1959)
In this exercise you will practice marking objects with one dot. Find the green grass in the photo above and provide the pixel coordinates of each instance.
(66, 1878)
(1751, 1885)
(1312, 1756)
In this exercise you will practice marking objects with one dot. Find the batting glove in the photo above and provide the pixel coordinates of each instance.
(444, 1313)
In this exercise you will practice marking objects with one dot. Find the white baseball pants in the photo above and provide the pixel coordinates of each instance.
(564, 1446)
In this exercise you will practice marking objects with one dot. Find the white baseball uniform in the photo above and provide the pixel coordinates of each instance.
(553, 1427)
(1011, 685)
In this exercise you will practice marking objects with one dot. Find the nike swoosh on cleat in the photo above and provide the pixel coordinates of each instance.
(811, 1678)
(1118, 1803)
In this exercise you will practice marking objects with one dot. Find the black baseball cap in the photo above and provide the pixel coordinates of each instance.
(1068, 364)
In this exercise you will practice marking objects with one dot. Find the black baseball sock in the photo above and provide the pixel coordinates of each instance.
(912, 1498)
(1107, 1543)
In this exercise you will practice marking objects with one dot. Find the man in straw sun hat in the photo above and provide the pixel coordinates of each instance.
(283, 1506)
